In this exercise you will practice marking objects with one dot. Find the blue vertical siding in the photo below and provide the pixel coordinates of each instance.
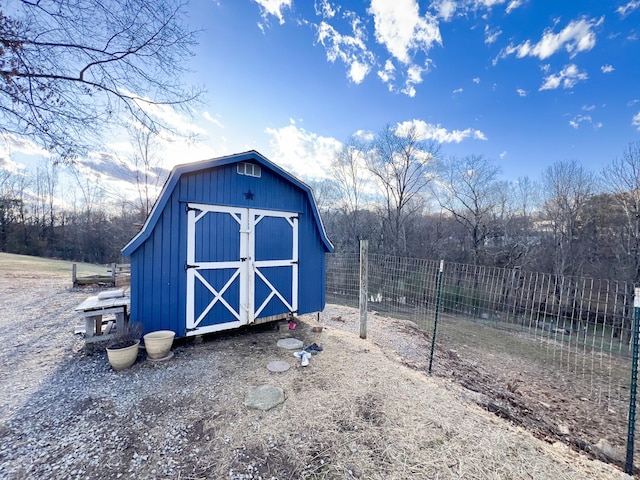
(158, 278)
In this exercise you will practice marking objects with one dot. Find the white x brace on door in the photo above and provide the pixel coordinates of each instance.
(242, 264)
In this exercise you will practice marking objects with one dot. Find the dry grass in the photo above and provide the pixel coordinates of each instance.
(356, 412)
(23, 264)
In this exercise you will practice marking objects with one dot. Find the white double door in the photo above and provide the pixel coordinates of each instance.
(242, 264)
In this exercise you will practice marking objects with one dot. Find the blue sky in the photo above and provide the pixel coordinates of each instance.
(523, 82)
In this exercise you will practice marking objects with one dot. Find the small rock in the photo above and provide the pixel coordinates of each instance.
(290, 343)
(264, 397)
(605, 447)
(278, 366)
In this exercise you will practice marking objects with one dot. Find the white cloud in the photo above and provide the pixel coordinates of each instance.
(357, 71)
(490, 36)
(567, 78)
(578, 36)
(635, 121)
(306, 154)
(457, 90)
(521, 92)
(513, 5)
(364, 135)
(476, 80)
(445, 8)
(325, 9)
(503, 154)
(8, 165)
(578, 119)
(274, 8)
(399, 27)
(489, 3)
(625, 10)
(166, 114)
(387, 74)
(404, 33)
(414, 77)
(428, 131)
(402, 30)
(207, 116)
(15, 144)
(607, 68)
(349, 49)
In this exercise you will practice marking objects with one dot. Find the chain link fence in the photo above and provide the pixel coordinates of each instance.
(565, 343)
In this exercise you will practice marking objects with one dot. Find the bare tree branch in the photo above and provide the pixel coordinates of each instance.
(69, 69)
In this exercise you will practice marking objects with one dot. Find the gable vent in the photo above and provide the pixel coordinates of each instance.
(250, 169)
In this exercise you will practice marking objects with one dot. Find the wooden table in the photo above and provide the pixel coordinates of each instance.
(94, 307)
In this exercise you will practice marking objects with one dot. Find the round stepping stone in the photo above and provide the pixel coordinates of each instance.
(278, 366)
(264, 397)
(290, 343)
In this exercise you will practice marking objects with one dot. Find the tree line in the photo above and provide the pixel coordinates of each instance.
(396, 190)
(39, 216)
(407, 199)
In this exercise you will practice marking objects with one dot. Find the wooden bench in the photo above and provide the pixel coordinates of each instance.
(94, 307)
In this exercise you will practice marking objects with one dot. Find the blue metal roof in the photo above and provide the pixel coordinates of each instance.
(183, 169)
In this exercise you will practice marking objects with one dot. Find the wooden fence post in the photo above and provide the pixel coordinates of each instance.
(74, 274)
(113, 274)
(364, 272)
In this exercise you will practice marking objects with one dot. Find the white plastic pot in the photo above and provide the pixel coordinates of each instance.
(158, 343)
(121, 358)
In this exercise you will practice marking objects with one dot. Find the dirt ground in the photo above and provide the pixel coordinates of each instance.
(551, 401)
(362, 409)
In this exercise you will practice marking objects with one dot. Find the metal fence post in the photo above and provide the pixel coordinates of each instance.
(364, 273)
(435, 322)
(628, 466)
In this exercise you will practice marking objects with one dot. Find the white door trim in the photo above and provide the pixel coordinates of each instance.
(255, 216)
(193, 275)
(247, 268)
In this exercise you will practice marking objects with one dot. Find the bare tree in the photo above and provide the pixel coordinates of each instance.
(148, 173)
(568, 188)
(348, 172)
(324, 194)
(9, 204)
(515, 239)
(47, 173)
(91, 192)
(622, 180)
(402, 164)
(69, 68)
(468, 189)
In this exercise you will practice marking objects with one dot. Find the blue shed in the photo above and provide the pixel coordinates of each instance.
(230, 241)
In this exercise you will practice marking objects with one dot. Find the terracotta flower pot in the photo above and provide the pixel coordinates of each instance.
(158, 343)
(121, 358)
